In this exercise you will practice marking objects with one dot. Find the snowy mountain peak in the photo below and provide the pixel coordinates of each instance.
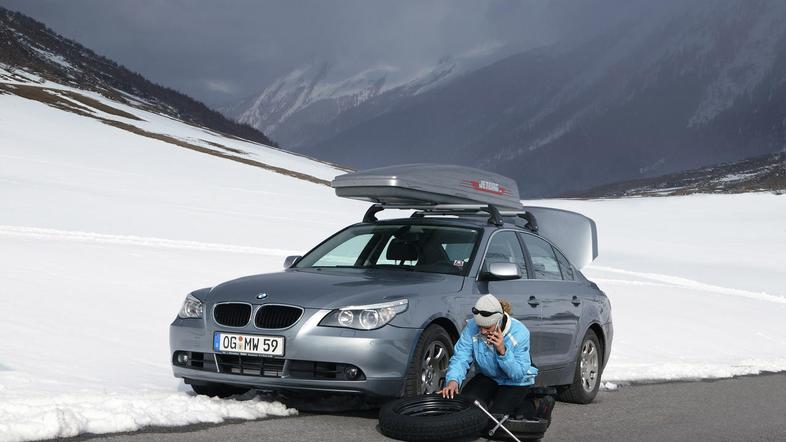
(311, 97)
(305, 86)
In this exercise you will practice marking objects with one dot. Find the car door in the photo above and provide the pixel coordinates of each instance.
(560, 307)
(504, 246)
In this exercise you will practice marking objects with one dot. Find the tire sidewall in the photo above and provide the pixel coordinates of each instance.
(446, 427)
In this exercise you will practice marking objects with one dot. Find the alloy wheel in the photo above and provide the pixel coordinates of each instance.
(589, 365)
(433, 368)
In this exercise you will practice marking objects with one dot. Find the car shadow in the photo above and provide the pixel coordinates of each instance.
(330, 404)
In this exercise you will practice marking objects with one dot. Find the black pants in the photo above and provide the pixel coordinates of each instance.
(503, 399)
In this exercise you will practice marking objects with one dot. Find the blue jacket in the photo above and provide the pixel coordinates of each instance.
(514, 368)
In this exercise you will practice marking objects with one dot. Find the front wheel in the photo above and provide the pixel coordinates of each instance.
(586, 378)
(429, 364)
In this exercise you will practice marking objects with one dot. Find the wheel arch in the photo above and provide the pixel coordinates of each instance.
(441, 321)
(448, 325)
(595, 327)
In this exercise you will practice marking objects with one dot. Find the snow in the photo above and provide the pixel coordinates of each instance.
(697, 284)
(104, 232)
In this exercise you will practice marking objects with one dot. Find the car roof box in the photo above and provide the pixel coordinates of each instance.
(429, 184)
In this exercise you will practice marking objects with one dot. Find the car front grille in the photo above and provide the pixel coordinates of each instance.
(277, 316)
(232, 314)
(267, 367)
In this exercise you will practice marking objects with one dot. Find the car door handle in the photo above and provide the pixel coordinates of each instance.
(575, 301)
(533, 301)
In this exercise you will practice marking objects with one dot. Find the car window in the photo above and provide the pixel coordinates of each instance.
(345, 253)
(565, 267)
(420, 248)
(505, 247)
(544, 263)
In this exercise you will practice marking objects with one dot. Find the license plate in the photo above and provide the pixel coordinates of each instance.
(248, 344)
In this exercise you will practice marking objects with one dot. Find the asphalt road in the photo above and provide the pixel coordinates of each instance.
(745, 408)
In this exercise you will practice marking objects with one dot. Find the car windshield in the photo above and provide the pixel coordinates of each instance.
(419, 248)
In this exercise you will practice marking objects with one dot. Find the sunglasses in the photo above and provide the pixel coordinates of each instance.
(484, 313)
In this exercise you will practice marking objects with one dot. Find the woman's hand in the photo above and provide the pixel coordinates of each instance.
(450, 390)
(496, 339)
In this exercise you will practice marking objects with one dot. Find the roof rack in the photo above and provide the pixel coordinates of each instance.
(495, 218)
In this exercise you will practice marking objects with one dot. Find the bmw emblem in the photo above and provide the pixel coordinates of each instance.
(262, 296)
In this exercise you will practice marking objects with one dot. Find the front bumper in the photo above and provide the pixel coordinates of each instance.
(381, 355)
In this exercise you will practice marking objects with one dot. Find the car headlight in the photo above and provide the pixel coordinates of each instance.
(192, 308)
(365, 317)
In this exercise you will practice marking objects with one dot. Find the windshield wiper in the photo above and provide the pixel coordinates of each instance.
(389, 267)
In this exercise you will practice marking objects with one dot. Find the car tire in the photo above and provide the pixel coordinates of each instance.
(218, 390)
(586, 378)
(429, 363)
(431, 417)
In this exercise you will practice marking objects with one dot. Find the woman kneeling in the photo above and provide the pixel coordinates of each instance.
(499, 346)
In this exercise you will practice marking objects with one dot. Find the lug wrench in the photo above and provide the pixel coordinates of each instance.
(499, 424)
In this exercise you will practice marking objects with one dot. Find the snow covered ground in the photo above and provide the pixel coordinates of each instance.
(697, 284)
(103, 233)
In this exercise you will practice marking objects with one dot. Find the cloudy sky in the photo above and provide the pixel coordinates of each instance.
(220, 51)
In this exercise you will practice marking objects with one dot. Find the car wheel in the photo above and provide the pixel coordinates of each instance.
(586, 378)
(218, 390)
(429, 364)
(431, 418)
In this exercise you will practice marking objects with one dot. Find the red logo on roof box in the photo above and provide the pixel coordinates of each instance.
(488, 187)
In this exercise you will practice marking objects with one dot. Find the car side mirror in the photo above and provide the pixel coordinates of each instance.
(291, 260)
(502, 271)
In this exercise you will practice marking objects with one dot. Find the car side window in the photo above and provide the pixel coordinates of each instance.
(565, 267)
(544, 262)
(505, 247)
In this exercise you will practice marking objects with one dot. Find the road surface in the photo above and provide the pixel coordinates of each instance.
(745, 408)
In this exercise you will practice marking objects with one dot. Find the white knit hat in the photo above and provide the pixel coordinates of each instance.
(488, 303)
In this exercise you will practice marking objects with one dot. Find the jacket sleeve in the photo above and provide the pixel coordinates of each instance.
(516, 362)
(462, 358)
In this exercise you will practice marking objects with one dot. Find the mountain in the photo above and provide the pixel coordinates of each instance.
(28, 45)
(314, 102)
(757, 174)
(694, 84)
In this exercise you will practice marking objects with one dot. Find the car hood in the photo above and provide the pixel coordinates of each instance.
(332, 288)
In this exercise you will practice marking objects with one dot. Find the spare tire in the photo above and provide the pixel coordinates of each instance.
(431, 418)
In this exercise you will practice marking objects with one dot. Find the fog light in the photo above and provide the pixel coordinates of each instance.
(352, 373)
(182, 358)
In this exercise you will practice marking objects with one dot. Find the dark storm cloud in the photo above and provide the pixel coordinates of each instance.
(220, 51)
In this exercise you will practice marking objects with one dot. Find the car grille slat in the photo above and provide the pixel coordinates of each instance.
(277, 316)
(232, 314)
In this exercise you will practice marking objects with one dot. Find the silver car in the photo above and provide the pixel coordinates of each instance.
(376, 308)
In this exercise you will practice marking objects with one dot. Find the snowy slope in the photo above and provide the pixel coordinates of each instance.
(103, 231)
